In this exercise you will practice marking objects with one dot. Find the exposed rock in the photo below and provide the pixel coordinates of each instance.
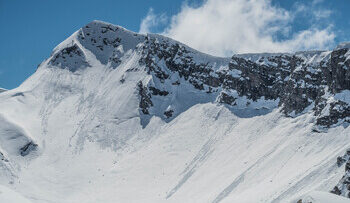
(300, 85)
(2, 90)
(159, 92)
(336, 191)
(343, 186)
(26, 149)
(176, 83)
(71, 58)
(145, 98)
(227, 99)
(340, 161)
(169, 113)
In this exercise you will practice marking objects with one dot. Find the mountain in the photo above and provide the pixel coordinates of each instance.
(2, 90)
(117, 116)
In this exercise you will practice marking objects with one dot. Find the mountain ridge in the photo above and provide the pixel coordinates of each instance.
(154, 46)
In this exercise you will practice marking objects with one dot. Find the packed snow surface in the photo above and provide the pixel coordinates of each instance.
(9, 196)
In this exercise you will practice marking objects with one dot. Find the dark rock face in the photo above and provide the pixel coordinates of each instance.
(159, 92)
(298, 84)
(336, 191)
(338, 112)
(26, 149)
(3, 158)
(145, 98)
(226, 99)
(100, 40)
(169, 113)
(343, 187)
(108, 42)
(338, 71)
(71, 58)
(177, 59)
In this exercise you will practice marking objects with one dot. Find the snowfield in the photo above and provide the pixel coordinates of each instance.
(323, 197)
(10, 196)
(91, 143)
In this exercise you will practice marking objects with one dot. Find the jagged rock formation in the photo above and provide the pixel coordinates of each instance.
(298, 83)
(343, 187)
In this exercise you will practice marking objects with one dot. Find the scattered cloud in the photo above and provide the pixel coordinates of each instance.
(312, 10)
(315, 2)
(319, 14)
(151, 20)
(224, 27)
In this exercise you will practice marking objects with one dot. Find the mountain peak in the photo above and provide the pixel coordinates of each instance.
(101, 25)
(104, 41)
(343, 45)
(2, 90)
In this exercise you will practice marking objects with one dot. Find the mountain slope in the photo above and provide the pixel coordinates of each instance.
(116, 116)
(322, 197)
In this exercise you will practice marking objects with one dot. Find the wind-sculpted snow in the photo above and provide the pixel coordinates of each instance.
(14, 143)
(14, 140)
(117, 116)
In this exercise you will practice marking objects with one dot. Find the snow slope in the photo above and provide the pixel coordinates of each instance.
(98, 136)
(322, 197)
(9, 196)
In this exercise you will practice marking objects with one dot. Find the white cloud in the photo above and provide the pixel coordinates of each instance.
(321, 13)
(314, 2)
(224, 27)
(312, 10)
(150, 21)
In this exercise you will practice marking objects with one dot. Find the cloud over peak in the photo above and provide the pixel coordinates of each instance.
(224, 27)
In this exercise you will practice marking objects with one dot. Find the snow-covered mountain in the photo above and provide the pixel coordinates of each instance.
(117, 116)
(2, 90)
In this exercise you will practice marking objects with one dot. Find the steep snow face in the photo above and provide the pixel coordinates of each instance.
(206, 154)
(322, 197)
(116, 116)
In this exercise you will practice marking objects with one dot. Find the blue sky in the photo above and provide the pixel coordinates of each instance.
(31, 29)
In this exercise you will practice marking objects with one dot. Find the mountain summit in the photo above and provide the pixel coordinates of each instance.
(117, 116)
